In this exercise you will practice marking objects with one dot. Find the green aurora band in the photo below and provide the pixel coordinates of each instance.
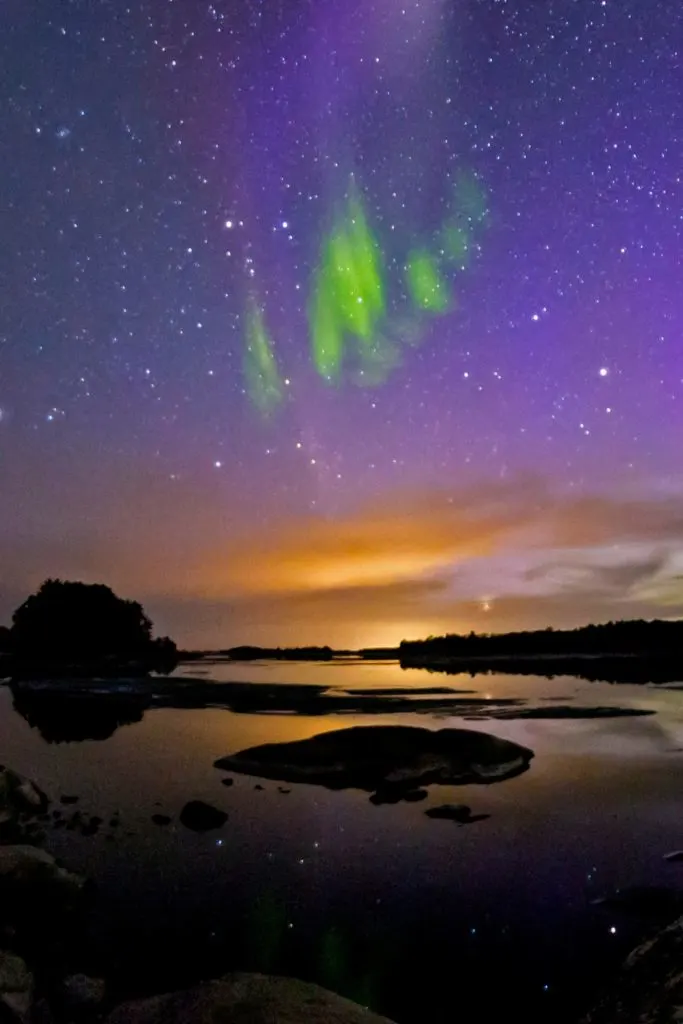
(260, 366)
(348, 292)
(352, 324)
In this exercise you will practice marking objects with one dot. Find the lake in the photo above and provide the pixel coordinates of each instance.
(424, 920)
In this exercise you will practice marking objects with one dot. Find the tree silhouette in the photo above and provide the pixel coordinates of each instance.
(85, 624)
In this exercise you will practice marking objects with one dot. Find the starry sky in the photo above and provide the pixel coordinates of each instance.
(192, 407)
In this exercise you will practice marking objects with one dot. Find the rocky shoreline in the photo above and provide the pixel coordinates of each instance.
(46, 979)
(41, 905)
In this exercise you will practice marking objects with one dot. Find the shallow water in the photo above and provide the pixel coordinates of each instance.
(425, 920)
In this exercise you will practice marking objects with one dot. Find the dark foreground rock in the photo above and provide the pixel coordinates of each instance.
(16, 986)
(385, 757)
(246, 999)
(19, 797)
(201, 817)
(28, 867)
(649, 987)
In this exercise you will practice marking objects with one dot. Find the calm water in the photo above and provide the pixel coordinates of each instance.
(425, 920)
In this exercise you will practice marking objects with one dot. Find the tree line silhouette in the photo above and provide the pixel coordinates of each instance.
(658, 638)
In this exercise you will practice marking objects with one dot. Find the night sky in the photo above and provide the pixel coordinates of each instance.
(193, 410)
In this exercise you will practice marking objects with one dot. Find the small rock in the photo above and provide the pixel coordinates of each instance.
(68, 799)
(450, 812)
(413, 796)
(80, 990)
(161, 819)
(200, 817)
(282, 789)
(228, 781)
(114, 822)
(258, 786)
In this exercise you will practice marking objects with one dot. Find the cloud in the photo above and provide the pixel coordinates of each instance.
(497, 556)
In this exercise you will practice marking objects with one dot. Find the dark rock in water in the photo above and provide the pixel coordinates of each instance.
(283, 789)
(450, 812)
(648, 989)
(648, 901)
(674, 856)
(16, 986)
(228, 781)
(377, 757)
(246, 999)
(68, 799)
(414, 796)
(395, 794)
(161, 819)
(114, 822)
(200, 817)
(80, 991)
(386, 795)
(257, 786)
(455, 812)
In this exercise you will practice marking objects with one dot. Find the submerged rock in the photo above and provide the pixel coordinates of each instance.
(378, 758)
(255, 998)
(16, 985)
(161, 819)
(200, 817)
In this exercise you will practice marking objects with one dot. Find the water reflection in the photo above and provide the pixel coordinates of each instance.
(84, 709)
(61, 719)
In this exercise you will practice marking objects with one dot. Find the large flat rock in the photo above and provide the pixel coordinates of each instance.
(376, 756)
(246, 999)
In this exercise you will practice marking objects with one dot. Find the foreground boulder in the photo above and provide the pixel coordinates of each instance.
(201, 817)
(27, 865)
(378, 758)
(19, 797)
(242, 998)
(16, 985)
(36, 893)
(649, 987)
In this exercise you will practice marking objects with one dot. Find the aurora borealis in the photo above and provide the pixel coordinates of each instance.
(343, 321)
